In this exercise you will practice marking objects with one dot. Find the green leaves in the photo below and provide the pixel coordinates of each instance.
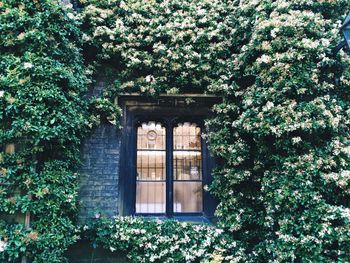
(42, 77)
(157, 48)
(278, 197)
(147, 240)
(281, 133)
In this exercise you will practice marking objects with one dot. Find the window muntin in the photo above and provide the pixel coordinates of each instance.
(151, 171)
(187, 166)
(156, 175)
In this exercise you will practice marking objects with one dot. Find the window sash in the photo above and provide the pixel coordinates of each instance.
(172, 197)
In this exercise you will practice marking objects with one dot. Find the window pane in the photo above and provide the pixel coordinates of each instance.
(151, 135)
(187, 136)
(150, 165)
(150, 197)
(187, 165)
(188, 197)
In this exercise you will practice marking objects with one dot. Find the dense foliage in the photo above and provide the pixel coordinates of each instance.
(168, 46)
(42, 112)
(281, 132)
(282, 129)
(161, 241)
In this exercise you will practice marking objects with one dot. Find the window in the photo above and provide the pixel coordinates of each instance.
(164, 162)
(151, 169)
(174, 184)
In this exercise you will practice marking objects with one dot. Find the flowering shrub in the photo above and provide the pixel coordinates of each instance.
(162, 241)
(173, 46)
(104, 109)
(42, 112)
(281, 132)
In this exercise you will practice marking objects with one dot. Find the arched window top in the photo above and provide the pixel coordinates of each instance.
(151, 135)
(187, 136)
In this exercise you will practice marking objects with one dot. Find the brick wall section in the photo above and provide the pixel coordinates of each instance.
(99, 179)
(99, 172)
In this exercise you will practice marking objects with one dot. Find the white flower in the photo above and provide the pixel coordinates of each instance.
(219, 231)
(70, 15)
(264, 59)
(295, 140)
(3, 245)
(149, 78)
(27, 65)
(112, 249)
(274, 32)
(201, 12)
(2, 93)
(248, 102)
(269, 105)
(70, 198)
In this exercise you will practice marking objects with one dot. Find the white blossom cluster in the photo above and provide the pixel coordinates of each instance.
(282, 132)
(165, 241)
(3, 245)
(173, 44)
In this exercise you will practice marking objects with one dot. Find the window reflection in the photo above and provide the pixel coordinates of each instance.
(150, 181)
(151, 168)
(187, 197)
(187, 136)
(187, 168)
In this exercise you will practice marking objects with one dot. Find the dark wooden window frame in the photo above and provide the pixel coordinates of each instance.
(168, 110)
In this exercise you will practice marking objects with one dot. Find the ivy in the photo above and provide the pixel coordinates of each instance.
(161, 241)
(43, 113)
(281, 132)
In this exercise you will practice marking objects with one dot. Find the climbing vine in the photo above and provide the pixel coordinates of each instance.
(169, 47)
(162, 241)
(281, 132)
(42, 118)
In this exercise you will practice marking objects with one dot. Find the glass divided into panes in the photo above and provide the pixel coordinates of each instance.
(151, 163)
(151, 197)
(187, 169)
(151, 135)
(187, 165)
(187, 136)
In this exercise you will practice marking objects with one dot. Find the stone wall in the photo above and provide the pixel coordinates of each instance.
(99, 172)
(99, 180)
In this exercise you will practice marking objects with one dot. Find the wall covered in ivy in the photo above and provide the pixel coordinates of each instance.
(42, 80)
(281, 133)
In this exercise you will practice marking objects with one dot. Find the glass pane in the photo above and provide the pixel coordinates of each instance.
(188, 197)
(187, 165)
(150, 165)
(151, 135)
(150, 197)
(187, 136)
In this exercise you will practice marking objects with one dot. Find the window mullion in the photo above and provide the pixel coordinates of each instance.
(169, 171)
